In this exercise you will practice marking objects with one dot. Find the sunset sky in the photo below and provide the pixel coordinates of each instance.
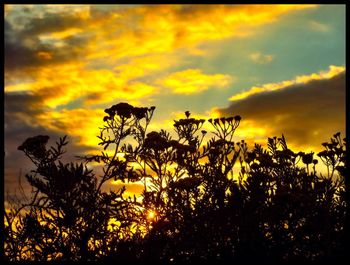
(281, 67)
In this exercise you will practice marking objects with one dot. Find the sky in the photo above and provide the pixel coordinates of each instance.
(280, 67)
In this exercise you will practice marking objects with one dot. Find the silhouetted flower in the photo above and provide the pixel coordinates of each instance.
(186, 148)
(336, 135)
(121, 109)
(307, 158)
(156, 141)
(229, 119)
(124, 109)
(35, 146)
(250, 156)
(140, 112)
(323, 153)
(237, 118)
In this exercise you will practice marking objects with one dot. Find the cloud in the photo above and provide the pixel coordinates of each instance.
(26, 37)
(97, 54)
(82, 124)
(116, 32)
(60, 85)
(23, 119)
(318, 26)
(259, 58)
(65, 63)
(307, 113)
(21, 123)
(303, 79)
(193, 81)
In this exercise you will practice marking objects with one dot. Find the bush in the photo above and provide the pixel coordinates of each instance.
(194, 207)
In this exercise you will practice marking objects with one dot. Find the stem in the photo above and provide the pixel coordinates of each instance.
(113, 158)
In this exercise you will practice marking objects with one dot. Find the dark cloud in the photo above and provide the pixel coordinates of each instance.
(52, 23)
(306, 114)
(20, 123)
(23, 44)
(16, 52)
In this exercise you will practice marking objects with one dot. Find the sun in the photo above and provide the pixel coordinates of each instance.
(151, 215)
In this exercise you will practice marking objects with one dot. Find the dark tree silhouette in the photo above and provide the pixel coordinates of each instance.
(195, 207)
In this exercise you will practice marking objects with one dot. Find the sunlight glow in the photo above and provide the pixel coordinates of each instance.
(151, 215)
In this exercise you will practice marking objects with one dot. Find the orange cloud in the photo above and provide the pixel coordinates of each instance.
(61, 84)
(118, 53)
(44, 55)
(60, 34)
(81, 124)
(164, 28)
(113, 51)
(303, 79)
(193, 81)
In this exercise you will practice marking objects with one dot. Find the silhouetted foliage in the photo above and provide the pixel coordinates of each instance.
(272, 207)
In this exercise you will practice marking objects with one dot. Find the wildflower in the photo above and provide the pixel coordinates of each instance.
(229, 119)
(323, 153)
(140, 112)
(237, 118)
(124, 109)
(336, 135)
(250, 156)
(155, 141)
(35, 146)
(121, 109)
(307, 158)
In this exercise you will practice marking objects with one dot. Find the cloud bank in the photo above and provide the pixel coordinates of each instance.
(307, 112)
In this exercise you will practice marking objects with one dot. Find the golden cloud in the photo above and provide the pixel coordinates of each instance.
(114, 50)
(82, 124)
(165, 28)
(193, 81)
(303, 79)
(117, 50)
(61, 84)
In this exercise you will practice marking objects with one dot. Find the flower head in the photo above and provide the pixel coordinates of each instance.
(35, 145)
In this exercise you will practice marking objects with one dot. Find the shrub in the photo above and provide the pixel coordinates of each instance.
(194, 207)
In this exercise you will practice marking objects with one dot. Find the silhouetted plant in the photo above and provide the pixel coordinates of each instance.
(194, 206)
